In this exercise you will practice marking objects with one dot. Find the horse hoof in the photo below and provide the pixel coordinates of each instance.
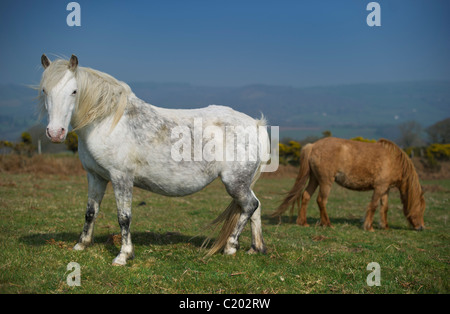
(122, 258)
(230, 251)
(254, 250)
(79, 247)
(119, 261)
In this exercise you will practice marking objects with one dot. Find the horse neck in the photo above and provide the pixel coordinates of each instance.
(136, 113)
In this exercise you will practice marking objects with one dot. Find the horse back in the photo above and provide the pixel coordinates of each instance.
(354, 165)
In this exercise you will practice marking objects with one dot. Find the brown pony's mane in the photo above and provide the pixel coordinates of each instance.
(410, 188)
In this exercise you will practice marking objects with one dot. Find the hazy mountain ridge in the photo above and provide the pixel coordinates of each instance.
(356, 106)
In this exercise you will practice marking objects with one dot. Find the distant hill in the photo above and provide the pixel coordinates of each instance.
(17, 110)
(369, 110)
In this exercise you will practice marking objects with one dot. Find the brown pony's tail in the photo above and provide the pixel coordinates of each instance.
(296, 192)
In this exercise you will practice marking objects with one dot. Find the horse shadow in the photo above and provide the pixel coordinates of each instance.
(286, 219)
(353, 221)
(112, 241)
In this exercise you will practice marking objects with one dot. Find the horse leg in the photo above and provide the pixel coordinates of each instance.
(384, 210)
(368, 222)
(306, 196)
(96, 191)
(322, 200)
(257, 238)
(291, 212)
(123, 191)
(248, 204)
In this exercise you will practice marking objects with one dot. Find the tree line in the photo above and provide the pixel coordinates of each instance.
(432, 151)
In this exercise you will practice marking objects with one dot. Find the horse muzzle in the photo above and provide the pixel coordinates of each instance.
(56, 135)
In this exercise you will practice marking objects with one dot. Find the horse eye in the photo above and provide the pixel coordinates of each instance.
(43, 90)
(74, 92)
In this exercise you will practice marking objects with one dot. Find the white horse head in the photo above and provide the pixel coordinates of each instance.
(78, 96)
(59, 96)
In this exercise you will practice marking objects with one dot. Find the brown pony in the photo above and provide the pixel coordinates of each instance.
(357, 166)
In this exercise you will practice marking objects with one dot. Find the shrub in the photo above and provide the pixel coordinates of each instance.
(290, 153)
(439, 151)
(24, 147)
(72, 141)
(362, 139)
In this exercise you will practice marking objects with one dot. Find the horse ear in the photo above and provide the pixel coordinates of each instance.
(73, 63)
(45, 61)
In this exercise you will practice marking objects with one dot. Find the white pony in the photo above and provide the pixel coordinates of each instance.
(126, 141)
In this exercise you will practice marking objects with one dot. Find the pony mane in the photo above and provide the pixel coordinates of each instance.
(99, 95)
(410, 188)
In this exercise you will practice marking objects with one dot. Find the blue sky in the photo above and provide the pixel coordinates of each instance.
(231, 43)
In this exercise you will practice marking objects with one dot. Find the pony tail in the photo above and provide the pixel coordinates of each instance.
(296, 192)
(230, 218)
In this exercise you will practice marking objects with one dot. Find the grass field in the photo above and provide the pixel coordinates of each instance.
(42, 216)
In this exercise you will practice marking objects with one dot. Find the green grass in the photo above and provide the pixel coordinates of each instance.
(42, 217)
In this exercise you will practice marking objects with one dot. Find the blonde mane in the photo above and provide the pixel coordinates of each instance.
(410, 187)
(99, 95)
